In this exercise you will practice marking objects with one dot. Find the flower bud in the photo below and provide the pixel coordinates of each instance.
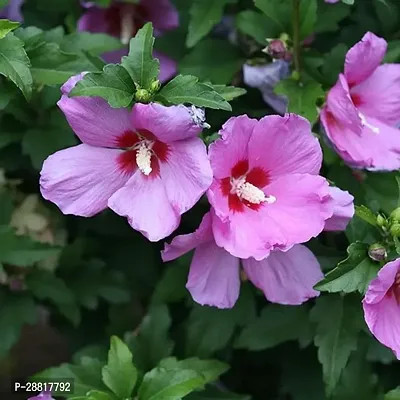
(155, 86)
(381, 221)
(142, 96)
(395, 229)
(395, 215)
(277, 50)
(377, 252)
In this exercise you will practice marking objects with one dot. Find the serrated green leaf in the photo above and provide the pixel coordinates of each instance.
(204, 15)
(6, 26)
(97, 395)
(152, 343)
(354, 273)
(119, 374)
(140, 64)
(302, 97)
(187, 89)
(171, 384)
(257, 25)
(229, 92)
(339, 322)
(366, 215)
(393, 394)
(14, 64)
(277, 324)
(113, 84)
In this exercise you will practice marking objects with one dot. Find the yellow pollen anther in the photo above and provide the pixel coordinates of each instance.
(251, 193)
(143, 158)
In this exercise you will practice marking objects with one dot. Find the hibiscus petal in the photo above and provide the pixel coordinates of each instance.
(81, 179)
(340, 104)
(143, 200)
(214, 278)
(12, 11)
(161, 13)
(302, 152)
(226, 152)
(94, 20)
(343, 210)
(363, 58)
(286, 277)
(168, 124)
(299, 213)
(379, 95)
(186, 174)
(92, 119)
(182, 244)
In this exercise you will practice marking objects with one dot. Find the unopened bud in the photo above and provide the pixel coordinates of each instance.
(381, 221)
(277, 49)
(142, 96)
(377, 252)
(395, 229)
(155, 86)
(395, 215)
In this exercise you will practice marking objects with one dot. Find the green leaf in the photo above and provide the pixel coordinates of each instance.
(188, 89)
(14, 64)
(113, 84)
(6, 26)
(333, 63)
(226, 61)
(393, 394)
(140, 64)
(204, 15)
(54, 135)
(382, 189)
(277, 324)
(152, 343)
(328, 16)
(366, 215)
(349, 2)
(229, 93)
(97, 395)
(22, 251)
(15, 312)
(210, 329)
(354, 273)
(171, 384)
(209, 369)
(93, 43)
(339, 322)
(119, 374)
(302, 97)
(257, 25)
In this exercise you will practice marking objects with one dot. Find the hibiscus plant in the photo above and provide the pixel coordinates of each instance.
(199, 199)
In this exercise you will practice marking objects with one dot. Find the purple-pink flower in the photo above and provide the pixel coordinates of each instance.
(363, 108)
(12, 11)
(343, 210)
(42, 396)
(266, 192)
(124, 19)
(214, 277)
(146, 164)
(382, 306)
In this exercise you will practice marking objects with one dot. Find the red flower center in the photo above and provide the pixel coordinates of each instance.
(244, 188)
(142, 150)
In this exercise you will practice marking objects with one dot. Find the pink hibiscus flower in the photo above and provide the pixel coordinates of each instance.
(214, 277)
(382, 306)
(123, 20)
(343, 210)
(42, 396)
(363, 108)
(146, 164)
(266, 191)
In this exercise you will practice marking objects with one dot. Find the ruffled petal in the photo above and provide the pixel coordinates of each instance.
(161, 13)
(379, 96)
(92, 119)
(343, 210)
(286, 277)
(214, 278)
(144, 201)
(284, 145)
(226, 152)
(81, 179)
(186, 174)
(299, 213)
(363, 58)
(184, 243)
(168, 124)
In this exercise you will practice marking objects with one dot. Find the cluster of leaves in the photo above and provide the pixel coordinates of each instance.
(89, 279)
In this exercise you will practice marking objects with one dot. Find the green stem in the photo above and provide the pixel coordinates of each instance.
(296, 36)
